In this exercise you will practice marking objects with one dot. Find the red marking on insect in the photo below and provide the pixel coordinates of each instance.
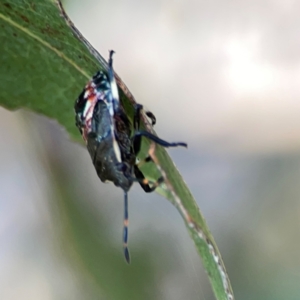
(91, 95)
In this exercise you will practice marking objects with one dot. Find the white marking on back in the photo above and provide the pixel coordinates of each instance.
(115, 145)
(114, 90)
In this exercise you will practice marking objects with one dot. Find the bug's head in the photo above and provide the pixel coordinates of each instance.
(80, 103)
(98, 85)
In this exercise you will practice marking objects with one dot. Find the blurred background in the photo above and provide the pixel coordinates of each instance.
(222, 76)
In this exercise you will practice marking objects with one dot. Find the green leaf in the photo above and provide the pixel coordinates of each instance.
(43, 68)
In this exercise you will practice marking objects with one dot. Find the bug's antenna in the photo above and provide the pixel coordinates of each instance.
(111, 53)
(113, 84)
(125, 230)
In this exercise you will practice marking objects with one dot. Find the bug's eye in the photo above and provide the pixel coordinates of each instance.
(101, 82)
(98, 77)
(80, 103)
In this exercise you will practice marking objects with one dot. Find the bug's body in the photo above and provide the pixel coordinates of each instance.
(112, 141)
(111, 153)
(107, 136)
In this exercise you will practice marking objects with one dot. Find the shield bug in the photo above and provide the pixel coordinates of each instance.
(112, 141)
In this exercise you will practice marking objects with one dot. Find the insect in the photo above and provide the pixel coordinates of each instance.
(112, 141)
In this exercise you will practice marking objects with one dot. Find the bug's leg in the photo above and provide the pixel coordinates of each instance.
(147, 185)
(151, 116)
(125, 230)
(136, 123)
(137, 142)
(113, 83)
(137, 116)
(145, 160)
(144, 182)
(157, 140)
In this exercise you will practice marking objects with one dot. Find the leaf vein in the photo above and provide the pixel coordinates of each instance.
(44, 43)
